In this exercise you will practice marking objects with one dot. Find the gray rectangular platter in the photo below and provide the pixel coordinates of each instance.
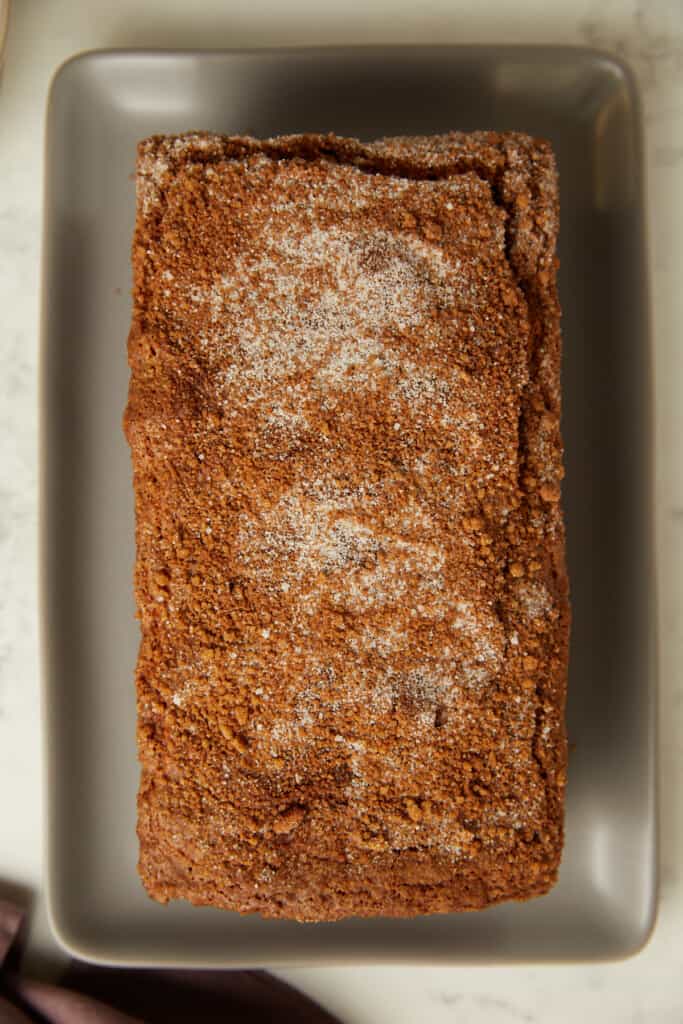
(100, 105)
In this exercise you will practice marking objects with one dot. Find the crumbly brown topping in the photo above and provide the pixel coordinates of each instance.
(344, 417)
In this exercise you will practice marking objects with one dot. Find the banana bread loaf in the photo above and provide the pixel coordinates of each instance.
(344, 417)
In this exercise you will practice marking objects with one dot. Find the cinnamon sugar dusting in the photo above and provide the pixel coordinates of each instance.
(342, 574)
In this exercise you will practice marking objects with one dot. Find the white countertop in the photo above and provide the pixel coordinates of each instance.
(42, 34)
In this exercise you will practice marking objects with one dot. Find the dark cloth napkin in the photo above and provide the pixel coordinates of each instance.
(106, 995)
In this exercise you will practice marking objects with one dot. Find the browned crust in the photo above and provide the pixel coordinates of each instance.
(276, 857)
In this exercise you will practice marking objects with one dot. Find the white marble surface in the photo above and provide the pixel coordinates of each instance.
(650, 37)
